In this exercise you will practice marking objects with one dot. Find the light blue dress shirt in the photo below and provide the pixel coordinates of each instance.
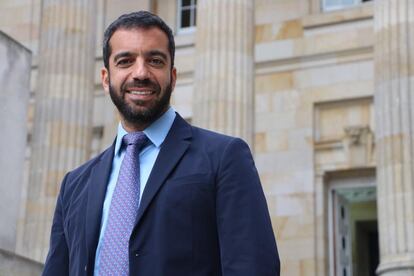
(156, 133)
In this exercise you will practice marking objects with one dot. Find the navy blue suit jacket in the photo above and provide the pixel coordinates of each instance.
(203, 212)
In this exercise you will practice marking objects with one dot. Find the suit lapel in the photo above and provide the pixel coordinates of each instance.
(96, 194)
(173, 148)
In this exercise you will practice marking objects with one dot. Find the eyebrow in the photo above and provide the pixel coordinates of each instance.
(121, 55)
(158, 53)
(150, 53)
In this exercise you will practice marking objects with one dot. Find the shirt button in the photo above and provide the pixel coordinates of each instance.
(136, 254)
(86, 267)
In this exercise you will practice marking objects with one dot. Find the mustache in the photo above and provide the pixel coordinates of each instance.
(146, 83)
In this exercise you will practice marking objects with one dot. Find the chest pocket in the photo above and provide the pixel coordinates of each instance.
(188, 191)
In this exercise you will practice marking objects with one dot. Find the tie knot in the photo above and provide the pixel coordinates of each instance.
(134, 138)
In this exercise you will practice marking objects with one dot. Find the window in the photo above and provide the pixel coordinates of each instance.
(186, 15)
(331, 5)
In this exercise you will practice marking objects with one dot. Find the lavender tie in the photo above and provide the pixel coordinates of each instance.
(114, 258)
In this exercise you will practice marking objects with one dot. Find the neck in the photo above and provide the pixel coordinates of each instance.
(139, 126)
(129, 127)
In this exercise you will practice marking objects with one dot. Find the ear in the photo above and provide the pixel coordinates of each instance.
(173, 78)
(105, 79)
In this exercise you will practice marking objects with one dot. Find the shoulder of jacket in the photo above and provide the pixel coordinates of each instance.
(86, 167)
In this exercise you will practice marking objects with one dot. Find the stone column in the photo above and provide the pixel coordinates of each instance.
(394, 104)
(224, 76)
(63, 112)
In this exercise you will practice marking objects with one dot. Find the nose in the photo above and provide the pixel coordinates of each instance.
(140, 70)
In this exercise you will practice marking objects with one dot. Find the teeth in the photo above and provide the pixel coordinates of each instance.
(140, 92)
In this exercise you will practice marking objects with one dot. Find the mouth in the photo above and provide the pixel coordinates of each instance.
(141, 92)
(140, 95)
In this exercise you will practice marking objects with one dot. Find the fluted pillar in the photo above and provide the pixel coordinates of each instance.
(224, 76)
(64, 102)
(394, 104)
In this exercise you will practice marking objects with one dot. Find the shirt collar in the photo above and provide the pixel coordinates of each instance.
(156, 132)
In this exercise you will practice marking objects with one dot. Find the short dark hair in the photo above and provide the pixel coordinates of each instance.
(140, 19)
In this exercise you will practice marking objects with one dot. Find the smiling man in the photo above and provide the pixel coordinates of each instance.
(166, 198)
(140, 77)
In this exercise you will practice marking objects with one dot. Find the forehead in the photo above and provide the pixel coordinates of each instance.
(139, 39)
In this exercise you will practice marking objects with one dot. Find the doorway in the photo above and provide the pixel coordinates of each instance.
(354, 248)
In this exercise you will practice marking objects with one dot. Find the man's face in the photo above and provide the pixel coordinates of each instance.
(140, 79)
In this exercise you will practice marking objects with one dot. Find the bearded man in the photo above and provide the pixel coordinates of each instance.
(167, 198)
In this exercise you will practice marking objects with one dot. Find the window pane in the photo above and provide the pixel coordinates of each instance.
(187, 14)
(185, 18)
(348, 2)
(185, 3)
(337, 4)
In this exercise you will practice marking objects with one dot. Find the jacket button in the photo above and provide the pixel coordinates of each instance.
(86, 267)
(136, 254)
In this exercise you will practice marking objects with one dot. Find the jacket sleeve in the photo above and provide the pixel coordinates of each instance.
(247, 242)
(57, 261)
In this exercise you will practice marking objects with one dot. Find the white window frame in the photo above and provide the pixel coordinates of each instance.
(327, 8)
(192, 7)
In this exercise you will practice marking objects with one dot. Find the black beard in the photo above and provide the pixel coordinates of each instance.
(143, 117)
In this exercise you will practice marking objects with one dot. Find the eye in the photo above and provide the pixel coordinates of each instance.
(156, 61)
(124, 62)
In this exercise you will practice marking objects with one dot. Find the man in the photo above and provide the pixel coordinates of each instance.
(166, 199)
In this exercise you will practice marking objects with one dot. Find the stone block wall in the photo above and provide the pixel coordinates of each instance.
(314, 87)
(14, 265)
(14, 98)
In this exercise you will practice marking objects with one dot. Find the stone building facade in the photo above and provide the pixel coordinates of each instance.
(321, 90)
